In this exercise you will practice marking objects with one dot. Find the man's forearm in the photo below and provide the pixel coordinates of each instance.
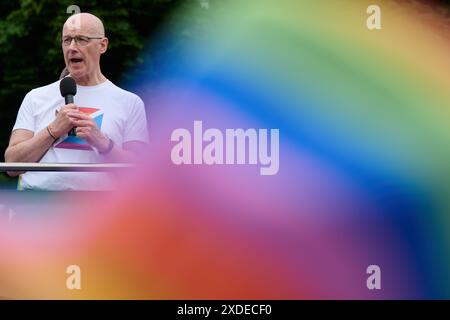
(30, 150)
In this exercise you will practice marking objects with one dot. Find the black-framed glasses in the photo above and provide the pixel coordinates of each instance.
(80, 40)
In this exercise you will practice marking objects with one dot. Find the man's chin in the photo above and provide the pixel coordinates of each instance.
(76, 74)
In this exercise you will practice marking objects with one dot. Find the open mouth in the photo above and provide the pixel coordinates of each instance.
(76, 61)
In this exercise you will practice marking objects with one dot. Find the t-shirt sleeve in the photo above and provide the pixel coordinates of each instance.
(25, 116)
(136, 125)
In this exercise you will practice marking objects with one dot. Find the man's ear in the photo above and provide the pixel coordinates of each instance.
(104, 45)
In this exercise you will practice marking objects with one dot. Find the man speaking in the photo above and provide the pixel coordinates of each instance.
(104, 124)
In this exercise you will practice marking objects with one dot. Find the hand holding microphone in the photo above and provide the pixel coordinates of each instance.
(63, 122)
(68, 89)
(79, 124)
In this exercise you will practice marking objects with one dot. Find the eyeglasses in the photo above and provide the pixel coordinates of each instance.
(80, 40)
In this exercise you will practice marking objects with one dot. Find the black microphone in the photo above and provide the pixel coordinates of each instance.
(68, 89)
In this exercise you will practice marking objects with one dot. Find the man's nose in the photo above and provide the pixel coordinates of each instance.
(73, 44)
(72, 48)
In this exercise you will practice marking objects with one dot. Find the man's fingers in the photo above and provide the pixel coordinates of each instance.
(71, 106)
(78, 115)
(80, 132)
(82, 123)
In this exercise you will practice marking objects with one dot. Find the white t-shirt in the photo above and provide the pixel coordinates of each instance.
(119, 114)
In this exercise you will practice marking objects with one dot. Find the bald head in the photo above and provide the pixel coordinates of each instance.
(85, 22)
(83, 42)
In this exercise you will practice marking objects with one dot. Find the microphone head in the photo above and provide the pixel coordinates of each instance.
(67, 86)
